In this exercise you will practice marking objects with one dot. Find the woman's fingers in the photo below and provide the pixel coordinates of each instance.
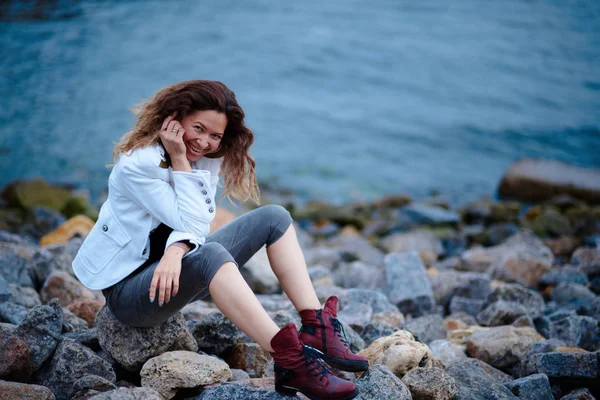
(167, 120)
(168, 286)
(153, 285)
(175, 285)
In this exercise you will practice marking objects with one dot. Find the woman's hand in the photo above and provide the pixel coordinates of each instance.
(166, 274)
(171, 135)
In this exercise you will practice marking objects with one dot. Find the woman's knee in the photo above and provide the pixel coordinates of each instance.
(207, 261)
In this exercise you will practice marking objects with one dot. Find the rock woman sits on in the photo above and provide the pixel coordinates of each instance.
(151, 251)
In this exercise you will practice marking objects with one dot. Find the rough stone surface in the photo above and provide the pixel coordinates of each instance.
(381, 383)
(399, 353)
(235, 391)
(502, 346)
(25, 296)
(564, 275)
(460, 304)
(66, 288)
(182, 369)
(579, 394)
(70, 362)
(507, 302)
(15, 262)
(358, 274)
(88, 384)
(86, 310)
(22, 391)
(561, 365)
(132, 347)
(588, 259)
(259, 274)
(129, 394)
(430, 384)
(41, 331)
(476, 380)
(215, 333)
(249, 357)
(12, 312)
(407, 284)
(375, 330)
(54, 258)
(88, 338)
(574, 297)
(357, 315)
(72, 323)
(532, 387)
(15, 363)
(577, 331)
(417, 241)
(427, 328)
(448, 352)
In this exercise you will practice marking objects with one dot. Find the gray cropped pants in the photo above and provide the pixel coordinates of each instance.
(235, 242)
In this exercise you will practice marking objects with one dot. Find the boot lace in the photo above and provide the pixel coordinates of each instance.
(339, 330)
(313, 362)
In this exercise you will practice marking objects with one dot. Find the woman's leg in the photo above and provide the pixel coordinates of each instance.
(271, 226)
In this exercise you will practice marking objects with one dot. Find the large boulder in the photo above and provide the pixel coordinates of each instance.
(407, 284)
(399, 352)
(131, 347)
(174, 370)
(539, 180)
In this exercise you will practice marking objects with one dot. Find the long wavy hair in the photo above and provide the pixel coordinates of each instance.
(238, 167)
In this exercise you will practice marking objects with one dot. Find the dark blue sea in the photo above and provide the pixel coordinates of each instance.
(349, 100)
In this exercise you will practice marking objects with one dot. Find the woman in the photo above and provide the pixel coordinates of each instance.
(151, 252)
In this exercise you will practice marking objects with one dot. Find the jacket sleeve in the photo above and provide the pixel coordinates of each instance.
(177, 236)
(185, 204)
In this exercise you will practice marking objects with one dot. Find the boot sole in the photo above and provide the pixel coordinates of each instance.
(341, 364)
(291, 391)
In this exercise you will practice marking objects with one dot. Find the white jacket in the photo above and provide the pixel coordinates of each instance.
(141, 195)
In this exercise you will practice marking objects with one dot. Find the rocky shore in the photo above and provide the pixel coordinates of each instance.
(495, 299)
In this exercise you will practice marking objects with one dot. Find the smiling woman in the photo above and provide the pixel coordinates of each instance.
(152, 240)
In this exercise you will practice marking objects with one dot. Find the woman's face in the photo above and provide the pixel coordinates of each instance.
(203, 133)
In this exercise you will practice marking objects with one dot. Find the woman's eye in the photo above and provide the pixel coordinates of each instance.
(199, 128)
(216, 137)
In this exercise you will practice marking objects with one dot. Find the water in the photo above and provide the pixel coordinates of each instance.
(349, 100)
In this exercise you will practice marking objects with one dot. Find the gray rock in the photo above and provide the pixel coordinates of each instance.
(471, 307)
(132, 346)
(377, 300)
(449, 283)
(447, 351)
(513, 301)
(88, 338)
(477, 380)
(375, 330)
(358, 274)
(407, 284)
(588, 259)
(15, 363)
(12, 312)
(41, 330)
(357, 315)
(545, 346)
(25, 296)
(417, 241)
(129, 394)
(579, 394)
(430, 384)
(5, 290)
(574, 297)
(576, 331)
(40, 220)
(318, 255)
(354, 248)
(380, 383)
(561, 365)
(259, 275)
(14, 264)
(320, 273)
(70, 362)
(215, 333)
(90, 384)
(22, 391)
(238, 375)
(72, 323)
(502, 346)
(425, 214)
(427, 328)
(533, 387)
(54, 258)
(235, 391)
(564, 275)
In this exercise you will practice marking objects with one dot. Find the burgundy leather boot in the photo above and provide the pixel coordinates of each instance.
(298, 368)
(322, 330)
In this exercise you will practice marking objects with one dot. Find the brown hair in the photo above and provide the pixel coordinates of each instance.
(238, 168)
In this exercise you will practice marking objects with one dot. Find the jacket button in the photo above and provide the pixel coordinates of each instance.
(210, 210)
(207, 201)
(201, 184)
(204, 192)
(104, 228)
(144, 252)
